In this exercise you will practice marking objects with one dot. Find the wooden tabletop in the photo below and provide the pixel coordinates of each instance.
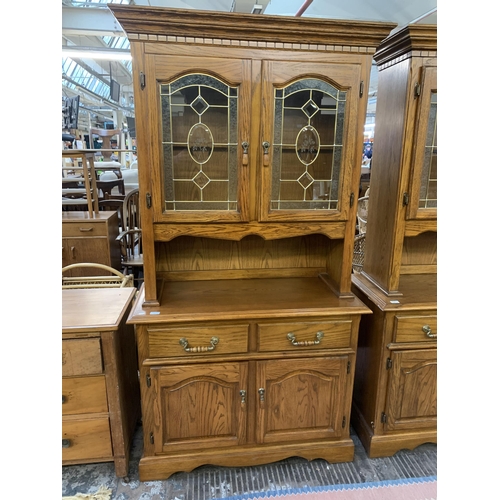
(94, 308)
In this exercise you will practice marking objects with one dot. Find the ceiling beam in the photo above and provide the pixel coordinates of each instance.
(93, 22)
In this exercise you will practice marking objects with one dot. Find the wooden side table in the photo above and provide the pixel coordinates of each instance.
(100, 386)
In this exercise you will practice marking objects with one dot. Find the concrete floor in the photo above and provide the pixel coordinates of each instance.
(208, 482)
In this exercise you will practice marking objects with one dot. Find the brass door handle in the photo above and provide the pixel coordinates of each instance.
(184, 343)
(245, 145)
(266, 145)
(427, 330)
(305, 343)
(261, 394)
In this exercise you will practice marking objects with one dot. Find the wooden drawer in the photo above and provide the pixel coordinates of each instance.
(84, 395)
(81, 357)
(411, 328)
(84, 228)
(86, 439)
(278, 336)
(166, 342)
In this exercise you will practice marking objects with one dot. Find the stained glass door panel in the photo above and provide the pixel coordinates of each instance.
(201, 132)
(200, 143)
(423, 202)
(310, 148)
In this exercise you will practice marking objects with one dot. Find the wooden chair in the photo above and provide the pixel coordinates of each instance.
(106, 183)
(131, 212)
(105, 135)
(108, 204)
(115, 280)
(131, 237)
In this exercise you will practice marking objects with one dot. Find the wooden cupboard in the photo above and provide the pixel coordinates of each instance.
(90, 237)
(245, 373)
(394, 403)
(251, 131)
(100, 387)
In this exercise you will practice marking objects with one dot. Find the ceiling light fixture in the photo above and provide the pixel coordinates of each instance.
(110, 55)
(257, 9)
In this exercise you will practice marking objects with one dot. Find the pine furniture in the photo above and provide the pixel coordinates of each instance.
(395, 390)
(100, 387)
(250, 135)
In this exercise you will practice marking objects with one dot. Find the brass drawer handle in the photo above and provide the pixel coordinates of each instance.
(427, 330)
(86, 229)
(184, 343)
(66, 443)
(291, 338)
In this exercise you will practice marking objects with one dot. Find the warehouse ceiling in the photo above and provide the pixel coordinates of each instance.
(90, 30)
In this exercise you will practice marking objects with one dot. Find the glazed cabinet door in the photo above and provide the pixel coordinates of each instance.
(199, 406)
(423, 184)
(412, 390)
(200, 108)
(302, 399)
(310, 131)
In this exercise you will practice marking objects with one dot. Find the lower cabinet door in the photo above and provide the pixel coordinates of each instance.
(199, 406)
(412, 390)
(302, 399)
(77, 250)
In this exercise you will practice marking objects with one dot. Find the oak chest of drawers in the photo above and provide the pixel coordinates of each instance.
(100, 387)
(90, 239)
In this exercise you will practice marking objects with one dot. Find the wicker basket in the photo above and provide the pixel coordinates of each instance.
(358, 258)
(117, 280)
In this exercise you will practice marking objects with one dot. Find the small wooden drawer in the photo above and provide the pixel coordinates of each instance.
(84, 395)
(293, 336)
(81, 357)
(418, 328)
(84, 228)
(86, 439)
(196, 341)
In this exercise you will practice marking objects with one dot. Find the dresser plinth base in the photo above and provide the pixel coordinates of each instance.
(161, 467)
(386, 445)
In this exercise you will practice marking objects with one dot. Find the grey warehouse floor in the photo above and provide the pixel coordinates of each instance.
(209, 482)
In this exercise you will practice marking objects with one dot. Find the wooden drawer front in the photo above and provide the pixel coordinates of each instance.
(275, 336)
(411, 328)
(84, 395)
(85, 228)
(86, 439)
(81, 357)
(166, 342)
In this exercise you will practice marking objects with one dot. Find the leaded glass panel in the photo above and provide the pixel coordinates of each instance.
(308, 145)
(199, 117)
(428, 186)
